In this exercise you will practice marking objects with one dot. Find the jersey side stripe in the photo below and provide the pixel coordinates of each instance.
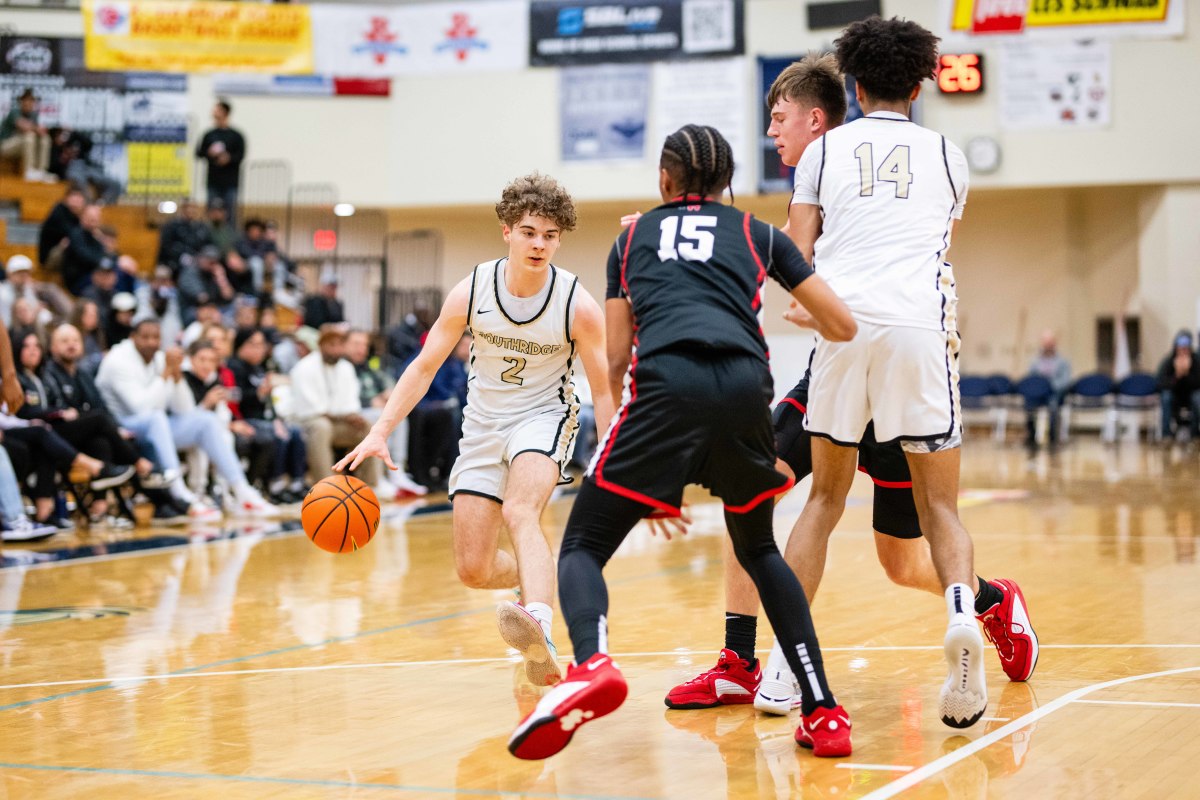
(567, 316)
(471, 298)
(946, 161)
(625, 257)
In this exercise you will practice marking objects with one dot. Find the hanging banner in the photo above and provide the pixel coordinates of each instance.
(1055, 85)
(564, 32)
(197, 36)
(603, 111)
(385, 41)
(706, 93)
(1074, 19)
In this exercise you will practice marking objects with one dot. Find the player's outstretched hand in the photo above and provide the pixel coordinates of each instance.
(629, 219)
(372, 445)
(668, 526)
(798, 315)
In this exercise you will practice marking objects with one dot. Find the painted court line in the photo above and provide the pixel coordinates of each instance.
(882, 767)
(1139, 703)
(938, 765)
(195, 672)
(395, 787)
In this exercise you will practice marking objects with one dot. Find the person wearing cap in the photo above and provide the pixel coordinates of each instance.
(17, 285)
(63, 218)
(325, 402)
(101, 291)
(202, 280)
(1179, 385)
(324, 307)
(120, 320)
(21, 135)
(85, 252)
(294, 347)
(157, 300)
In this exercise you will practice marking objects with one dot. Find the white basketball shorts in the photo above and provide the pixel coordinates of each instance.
(488, 447)
(905, 379)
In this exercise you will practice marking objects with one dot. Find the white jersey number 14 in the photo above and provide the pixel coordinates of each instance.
(894, 169)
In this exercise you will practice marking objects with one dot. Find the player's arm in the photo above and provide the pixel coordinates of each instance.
(414, 383)
(589, 333)
(618, 319)
(803, 227)
(828, 315)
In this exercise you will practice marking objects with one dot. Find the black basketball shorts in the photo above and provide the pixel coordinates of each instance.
(894, 513)
(694, 416)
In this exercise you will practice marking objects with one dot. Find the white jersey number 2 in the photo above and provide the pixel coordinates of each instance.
(697, 244)
(894, 169)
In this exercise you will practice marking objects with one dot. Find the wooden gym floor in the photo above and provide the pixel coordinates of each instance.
(246, 663)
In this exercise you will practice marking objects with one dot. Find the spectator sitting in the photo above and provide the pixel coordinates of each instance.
(325, 402)
(85, 252)
(245, 313)
(101, 291)
(256, 405)
(1056, 369)
(140, 383)
(70, 160)
(202, 280)
(157, 300)
(258, 252)
(86, 320)
(127, 268)
(54, 233)
(28, 317)
(185, 234)
(436, 421)
(21, 135)
(1179, 384)
(20, 283)
(374, 387)
(120, 319)
(293, 349)
(404, 340)
(221, 233)
(324, 308)
(267, 323)
(284, 268)
(15, 526)
(93, 433)
(207, 313)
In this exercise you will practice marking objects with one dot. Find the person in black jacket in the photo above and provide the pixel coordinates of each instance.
(185, 234)
(63, 219)
(324, 308)
(223, 148)
(254, 385)
(85, 252)
(1179, 383)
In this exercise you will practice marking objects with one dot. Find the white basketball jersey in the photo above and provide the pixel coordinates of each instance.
(888, 191)
(520, 364)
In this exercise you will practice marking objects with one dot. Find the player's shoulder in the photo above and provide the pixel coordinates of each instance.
(563, 277)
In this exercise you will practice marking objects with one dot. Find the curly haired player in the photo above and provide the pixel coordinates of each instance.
(530, 321)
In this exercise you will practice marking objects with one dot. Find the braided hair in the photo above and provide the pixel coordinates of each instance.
(699, 160)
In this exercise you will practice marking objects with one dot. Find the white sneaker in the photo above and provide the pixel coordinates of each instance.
(404, 486)
(26, 530)
(34, 175)
(964, 694)
(203, 512)
(522, 632)
(250, 503)
(779, 691)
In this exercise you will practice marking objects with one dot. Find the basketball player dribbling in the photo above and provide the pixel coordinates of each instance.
(684, 284)
(807, 99)
(529, 320)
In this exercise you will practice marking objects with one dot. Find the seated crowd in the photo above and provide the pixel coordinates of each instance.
(128, 378)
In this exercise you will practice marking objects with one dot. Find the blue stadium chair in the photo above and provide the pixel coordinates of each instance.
(1137, 402)
(975, 399)
(1090, 400)
(1035, 392)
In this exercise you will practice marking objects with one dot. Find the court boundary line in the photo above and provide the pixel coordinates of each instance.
(329, 783)
(938, 765)
(195, 672)
(1151, 703)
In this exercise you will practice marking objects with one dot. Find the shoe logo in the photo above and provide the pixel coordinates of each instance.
(574, 718)
(966, 667)
(600, 663)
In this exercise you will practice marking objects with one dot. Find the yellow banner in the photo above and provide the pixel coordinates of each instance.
(186, 36)
(1063, 13)
(158, 170)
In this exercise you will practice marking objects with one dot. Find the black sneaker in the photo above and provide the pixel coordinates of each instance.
(58, 523)
(169, 513)
(111, 475)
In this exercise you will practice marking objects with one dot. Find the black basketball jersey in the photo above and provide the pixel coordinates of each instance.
(693, 270)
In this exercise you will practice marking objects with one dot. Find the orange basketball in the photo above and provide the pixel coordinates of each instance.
(340, 514)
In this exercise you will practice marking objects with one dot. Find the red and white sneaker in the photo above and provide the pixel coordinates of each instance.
(1007, 626)
(522, 632)
(730, 682)
(826, 732)
(590, 691)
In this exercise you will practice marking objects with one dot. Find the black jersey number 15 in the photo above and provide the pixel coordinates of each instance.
(686, 238)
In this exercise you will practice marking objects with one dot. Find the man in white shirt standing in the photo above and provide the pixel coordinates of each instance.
(143, 387)
(326, 404)
(874, 210)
